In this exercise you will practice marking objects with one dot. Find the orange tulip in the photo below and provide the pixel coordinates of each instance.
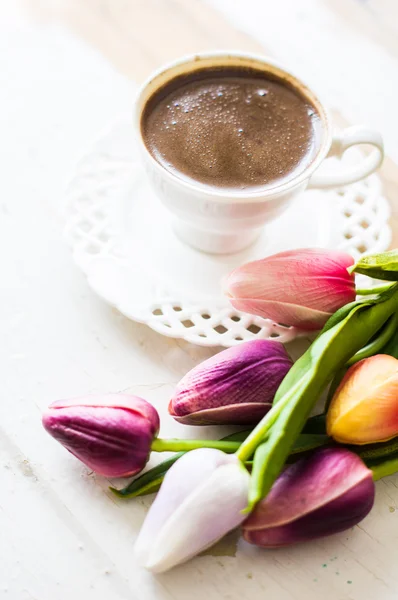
(364, 408)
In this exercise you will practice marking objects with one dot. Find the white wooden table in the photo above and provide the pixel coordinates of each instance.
(63, 68)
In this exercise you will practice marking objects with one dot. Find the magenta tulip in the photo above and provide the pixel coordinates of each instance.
(112, 433)
(236, 386)
(325, 493)
(301, 287)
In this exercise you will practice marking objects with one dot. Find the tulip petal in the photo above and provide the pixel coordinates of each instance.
(325, 493)
(200, 500)
(281, 286)
(248, 374)
(308, 485)
(175, 488)
(111, 435)
(340, 514)
(247, 413)
(123, 401)
(283, 277)
(283, 312)
(364, 408)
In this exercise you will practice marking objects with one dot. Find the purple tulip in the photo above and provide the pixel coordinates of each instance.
(236, 386)
(325, 493)
(112, 433)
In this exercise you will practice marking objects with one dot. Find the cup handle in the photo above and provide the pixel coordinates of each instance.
(351, 173)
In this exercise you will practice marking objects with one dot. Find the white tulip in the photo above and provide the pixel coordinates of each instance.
(201, 499)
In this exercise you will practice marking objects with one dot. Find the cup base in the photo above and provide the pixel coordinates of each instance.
(213, 242)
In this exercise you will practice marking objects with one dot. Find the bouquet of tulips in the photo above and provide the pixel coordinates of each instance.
(287, 477)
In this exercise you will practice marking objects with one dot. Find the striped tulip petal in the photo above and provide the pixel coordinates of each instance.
(236, 386)
(301, 287)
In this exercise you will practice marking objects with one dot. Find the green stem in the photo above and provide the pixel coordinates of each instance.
(388, 467)
(372, 455)
(150, 482)
(229, 444)
(377, 344)
(178, 445)
(377, 289)
(258, 434)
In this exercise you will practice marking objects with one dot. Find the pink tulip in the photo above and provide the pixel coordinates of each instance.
(112, 433)
(301, 287)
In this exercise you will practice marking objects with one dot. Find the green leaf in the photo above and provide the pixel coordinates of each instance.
(371, 452)
(303, 385)
(334, 385)
(384, 342)
(384, 467)
(141, 489)
(309, 441)
(345, 310)
(342, 313)
(379, 266)
(304, 443)
(144, 484)
(391, 346)
(377, 343)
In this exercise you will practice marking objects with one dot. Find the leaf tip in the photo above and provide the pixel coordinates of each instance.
(116, 492)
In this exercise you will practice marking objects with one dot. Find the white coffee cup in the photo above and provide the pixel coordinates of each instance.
(215, 220)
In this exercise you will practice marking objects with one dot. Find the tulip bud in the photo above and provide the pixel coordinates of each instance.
(111, 434)
(299, 287)
(364, 408)
(325, 493)
(236, 386)
(201, 499)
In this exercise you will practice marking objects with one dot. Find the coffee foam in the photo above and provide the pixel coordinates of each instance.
(231, 128)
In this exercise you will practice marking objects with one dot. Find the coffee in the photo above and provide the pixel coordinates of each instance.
(233, 128)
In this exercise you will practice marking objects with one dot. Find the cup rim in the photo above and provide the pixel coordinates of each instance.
(217, 194)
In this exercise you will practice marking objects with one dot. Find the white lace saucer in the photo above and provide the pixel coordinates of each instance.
(121, 238)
